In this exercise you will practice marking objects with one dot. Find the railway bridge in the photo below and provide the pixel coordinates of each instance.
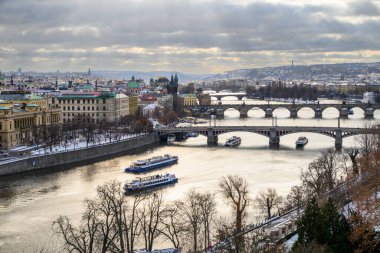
(243, 108)
(272, 132)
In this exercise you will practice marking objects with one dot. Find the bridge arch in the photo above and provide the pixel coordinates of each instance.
(330, 112)
(231, 112)
(228, 97)
(281, 111)
(357, 111)
(306, 110)
(253, 111)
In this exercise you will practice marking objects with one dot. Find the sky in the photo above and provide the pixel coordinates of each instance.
(190, 36)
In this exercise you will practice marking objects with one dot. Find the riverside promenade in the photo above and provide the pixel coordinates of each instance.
(79, 155)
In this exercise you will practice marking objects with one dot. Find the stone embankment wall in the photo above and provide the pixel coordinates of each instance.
(78, 156)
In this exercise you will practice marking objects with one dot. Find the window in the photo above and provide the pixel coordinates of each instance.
(64, 108)
(88, 108)
(72, 108)
(78, 101)
(93, 108)
(104, 101)
(84, 108)
(104, 108)
(78, 108)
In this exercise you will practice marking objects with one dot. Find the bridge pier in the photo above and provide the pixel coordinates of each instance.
(243, 114)
(268, 113)
(368, 114)
(274, 139)
(293, 113)
(338, 140)
(343, 114)
(219, 113)
(318, 113)
(212, 139)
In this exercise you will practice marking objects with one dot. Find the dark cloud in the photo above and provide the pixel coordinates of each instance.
(364, 8)
(71, 32)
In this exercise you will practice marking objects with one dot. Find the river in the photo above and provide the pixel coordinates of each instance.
(29, 203)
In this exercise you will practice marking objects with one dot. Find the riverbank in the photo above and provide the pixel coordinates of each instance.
(83, 155)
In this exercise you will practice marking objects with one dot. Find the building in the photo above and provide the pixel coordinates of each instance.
(19, 122)
(133, 105)
(166, 101)
(189, 99)
(147, 99)
(14, 97)
(150, 110)
(370, 97)
(204, 99)
(97, 106)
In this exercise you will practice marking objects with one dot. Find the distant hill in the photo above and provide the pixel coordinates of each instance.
(300, 72)
(304, 72)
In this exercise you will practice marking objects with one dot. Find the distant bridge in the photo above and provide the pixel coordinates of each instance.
(272, 132)
(293, 108)
(238, 95)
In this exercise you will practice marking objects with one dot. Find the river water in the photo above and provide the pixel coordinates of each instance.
(29, 203)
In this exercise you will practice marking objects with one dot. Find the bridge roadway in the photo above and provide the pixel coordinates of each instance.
(272, 132)
(293, 108)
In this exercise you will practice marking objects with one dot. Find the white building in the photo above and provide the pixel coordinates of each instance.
(369, 97)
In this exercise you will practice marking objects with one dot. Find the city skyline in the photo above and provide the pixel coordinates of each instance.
(202, 36)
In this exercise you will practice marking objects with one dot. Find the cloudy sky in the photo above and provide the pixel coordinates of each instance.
(191, 36)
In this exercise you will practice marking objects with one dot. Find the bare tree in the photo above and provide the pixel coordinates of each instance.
(208, 210)
(235, 190)
(268, 200)
(173, 226)
(369, 145)
(296, 198)
(352, 153)
(81, 238)
(191, 213)
(321, 174)
(151, 214)
(109, 224)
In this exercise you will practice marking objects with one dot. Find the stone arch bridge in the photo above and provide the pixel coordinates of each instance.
(238, 95)
(272, 132)
(318, 109)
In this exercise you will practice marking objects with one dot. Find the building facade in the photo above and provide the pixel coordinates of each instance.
(96, 106)
(17, 124)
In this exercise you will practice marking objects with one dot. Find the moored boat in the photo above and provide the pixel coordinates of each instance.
(233, 141)
(144, 183)
(170, 139)
(152, 163)
(301, 141)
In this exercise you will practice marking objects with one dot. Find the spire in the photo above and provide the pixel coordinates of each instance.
(171, 80)
(56, 84)
(176, 79)
(96, 85)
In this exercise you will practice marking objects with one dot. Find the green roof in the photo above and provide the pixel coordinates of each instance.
(133, 84)
(4, 108)
(32, 105)
(34, 97)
